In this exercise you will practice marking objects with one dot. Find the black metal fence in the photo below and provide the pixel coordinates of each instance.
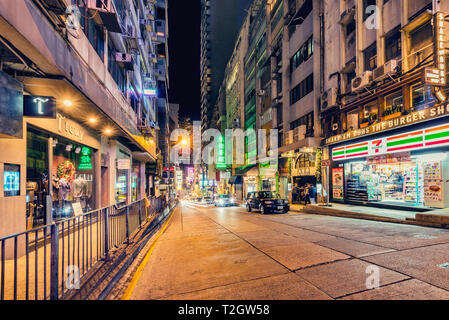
(46, 262)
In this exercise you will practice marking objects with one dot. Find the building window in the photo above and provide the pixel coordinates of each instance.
(301, 90)
(393, 105)
(370, 55)
(421, 36)
(353, 120)
(421, 97)
(306, 121)
(302, 55)
(393, 45)
(369, 114)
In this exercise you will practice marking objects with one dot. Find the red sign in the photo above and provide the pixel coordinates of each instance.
(172, 169)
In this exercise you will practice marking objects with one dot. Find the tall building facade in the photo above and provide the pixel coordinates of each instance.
(220, 23)
(84, 82)
(384, 110)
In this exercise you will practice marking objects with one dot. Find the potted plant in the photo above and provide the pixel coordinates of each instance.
(369, 120)
(392, 112)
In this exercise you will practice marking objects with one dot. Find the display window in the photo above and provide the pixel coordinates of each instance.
(72, 179)
(399, 178)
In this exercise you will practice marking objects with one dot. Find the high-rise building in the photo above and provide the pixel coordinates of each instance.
(220, 24)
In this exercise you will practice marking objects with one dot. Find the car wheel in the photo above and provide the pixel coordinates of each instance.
(286, 210)
(262, 209)
(248, 208)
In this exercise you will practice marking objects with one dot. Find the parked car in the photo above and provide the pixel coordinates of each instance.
(224, 200)
(207, 200)
(266, 202)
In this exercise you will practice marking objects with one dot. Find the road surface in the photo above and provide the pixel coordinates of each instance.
(229, 254)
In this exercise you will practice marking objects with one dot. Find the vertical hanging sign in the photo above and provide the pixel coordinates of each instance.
(440, 47)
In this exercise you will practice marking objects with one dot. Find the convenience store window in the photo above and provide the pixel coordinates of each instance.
(398, 178)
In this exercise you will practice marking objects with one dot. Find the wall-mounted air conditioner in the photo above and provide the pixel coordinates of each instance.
(329, 99)
(362, 81)
(386, 70)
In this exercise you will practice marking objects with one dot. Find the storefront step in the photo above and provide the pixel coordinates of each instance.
(440, 217)
(423, 219)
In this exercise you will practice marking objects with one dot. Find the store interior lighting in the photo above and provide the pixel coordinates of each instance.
(68, 147)
(78, 150)
(55, 142)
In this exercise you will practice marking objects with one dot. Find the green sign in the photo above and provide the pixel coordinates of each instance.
(221, 158)
(85, 159)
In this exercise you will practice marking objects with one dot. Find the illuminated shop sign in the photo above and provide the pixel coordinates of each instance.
(221, 161)
(411, 141)
(42, 107)
(440, 51)
(85, 159)
(150, 92)
(422, 115)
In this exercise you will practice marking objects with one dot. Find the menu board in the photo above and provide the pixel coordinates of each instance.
(433, 183)
(337, 183)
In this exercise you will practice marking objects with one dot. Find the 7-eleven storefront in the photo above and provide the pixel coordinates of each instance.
(407, 168)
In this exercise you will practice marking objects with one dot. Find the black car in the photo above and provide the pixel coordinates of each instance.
(266, 202)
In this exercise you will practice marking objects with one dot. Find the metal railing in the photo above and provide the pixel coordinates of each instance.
(47, 262)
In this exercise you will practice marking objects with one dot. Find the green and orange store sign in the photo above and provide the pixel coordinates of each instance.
(410, 141)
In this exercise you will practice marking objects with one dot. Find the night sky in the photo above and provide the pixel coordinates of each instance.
(184, 56)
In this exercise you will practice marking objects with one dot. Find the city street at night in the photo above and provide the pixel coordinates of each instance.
(226, 253)
(224, 158)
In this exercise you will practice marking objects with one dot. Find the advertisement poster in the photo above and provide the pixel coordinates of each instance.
(337, 183)
(433, 183)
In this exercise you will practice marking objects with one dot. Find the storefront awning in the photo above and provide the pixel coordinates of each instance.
(240, 171)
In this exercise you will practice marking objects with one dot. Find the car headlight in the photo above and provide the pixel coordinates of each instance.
(232, 200)
(221, 201)
(269, 202)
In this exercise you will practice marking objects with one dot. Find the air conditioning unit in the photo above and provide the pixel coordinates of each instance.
(101, 5)
(386, 70)
(123, 57)
(362, 81)
(329, 99)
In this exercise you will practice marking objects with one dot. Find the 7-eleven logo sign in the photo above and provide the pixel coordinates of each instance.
(377, 147)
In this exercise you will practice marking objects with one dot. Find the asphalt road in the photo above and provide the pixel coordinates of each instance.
(229, 254)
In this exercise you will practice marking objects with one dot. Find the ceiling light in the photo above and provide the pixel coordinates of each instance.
(92, 120)
(68, 103)
(68, 147)
(108, 131)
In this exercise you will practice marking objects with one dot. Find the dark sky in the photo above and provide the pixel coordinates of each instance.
(184, 56)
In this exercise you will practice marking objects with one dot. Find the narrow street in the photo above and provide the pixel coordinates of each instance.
(227, 253)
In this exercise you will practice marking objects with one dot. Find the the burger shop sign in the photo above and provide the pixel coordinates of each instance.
(422, 115)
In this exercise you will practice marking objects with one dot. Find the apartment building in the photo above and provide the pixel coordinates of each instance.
(83, 82)
(220, 24)
(384, 108)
